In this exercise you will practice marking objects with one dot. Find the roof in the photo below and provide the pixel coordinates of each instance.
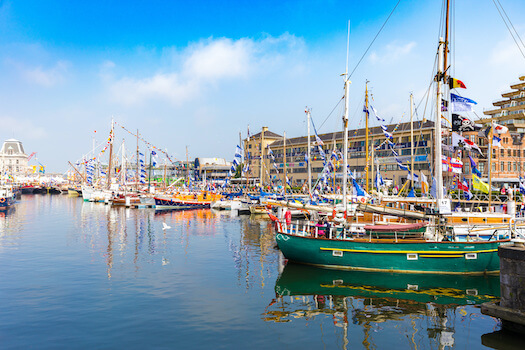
(14, 145)
(375, 131)
(267, 135)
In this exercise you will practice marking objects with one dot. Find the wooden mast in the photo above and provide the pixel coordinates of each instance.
(412, 141)
(284, 160)
(366, 135)
(111, 137)
(137, 175)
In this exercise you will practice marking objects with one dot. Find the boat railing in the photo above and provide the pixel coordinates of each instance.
(518, 235)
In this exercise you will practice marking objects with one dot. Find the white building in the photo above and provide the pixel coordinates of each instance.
(13, 159)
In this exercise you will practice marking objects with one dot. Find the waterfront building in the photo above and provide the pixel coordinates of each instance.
(382, 157)
(13, 158)
(211, 169)
(508, 161)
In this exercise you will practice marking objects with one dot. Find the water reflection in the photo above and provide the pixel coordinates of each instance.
(427, 307)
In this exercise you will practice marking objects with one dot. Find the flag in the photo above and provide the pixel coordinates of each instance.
(433, 190)
(463, 185)
(460, 123)
(248, 133)
(238, 151)
(153, 153)
(359, 190)
(379, 180)
(500, 129)
(413, 176)
(479, 185)
(522, 186)
(485, 133)
(376, 115)
(474, 167)
(306, 157)
(496, 141)
(400, 165)
(455, 83)
(411, 194)
(319, 141)
(424, 183)
(461, 141)
(461, 104)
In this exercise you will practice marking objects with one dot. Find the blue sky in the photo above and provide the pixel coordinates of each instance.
(196, 73)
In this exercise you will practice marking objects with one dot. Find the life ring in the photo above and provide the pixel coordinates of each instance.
(2, 200)
(362, 200)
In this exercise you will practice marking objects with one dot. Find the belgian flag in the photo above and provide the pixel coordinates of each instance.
(455, 83)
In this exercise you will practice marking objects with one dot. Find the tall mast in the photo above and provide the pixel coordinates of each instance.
(445, 53)
(412, 140)
(262, 157)
(345, 123)
(308, 152)
(284, 161)
(111, 137)
(366, 134)
(187, 168)
(491, 138)
(137, 176)
(123, 165)
(437, 139)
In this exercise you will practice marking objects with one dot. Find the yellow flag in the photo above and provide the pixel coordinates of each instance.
(479, 185)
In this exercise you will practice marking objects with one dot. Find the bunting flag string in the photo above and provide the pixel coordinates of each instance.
(150, 145)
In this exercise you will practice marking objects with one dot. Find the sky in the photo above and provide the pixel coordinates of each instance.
(195, 74)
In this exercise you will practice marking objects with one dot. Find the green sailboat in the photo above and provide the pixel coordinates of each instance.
(407, 250)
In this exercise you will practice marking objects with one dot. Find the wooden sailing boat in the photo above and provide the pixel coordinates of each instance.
(431, 252)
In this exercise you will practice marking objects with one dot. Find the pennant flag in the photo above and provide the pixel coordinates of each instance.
(479, 185)
(496, 141)
(424, 183)
(319, 141)
(474, 167)
(411, 176)
(379, 180)
(306, 157)
(455, 83)
(401, 166)
(359, 190)
(375, 113)
(411, 194)
(238, 151)
(461, 104)
(500, 129)
(433, 190)
(522, 186)
(153, 153)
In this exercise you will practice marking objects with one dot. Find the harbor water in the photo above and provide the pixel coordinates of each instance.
(76, 274)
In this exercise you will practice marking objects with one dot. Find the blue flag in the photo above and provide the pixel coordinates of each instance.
(474, 167)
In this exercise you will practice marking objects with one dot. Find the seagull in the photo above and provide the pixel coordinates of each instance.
(165, 226)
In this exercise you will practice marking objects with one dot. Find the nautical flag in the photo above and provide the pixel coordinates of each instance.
(306, 157)
(460, 123)
(474, 167)
(359, 190)
(424, 183)
(463, 185)
(238, 151)
(401, 166)
(141, 154)
(500, 129)
(413, 176)
(461, 141)
(433, 190)
(455, 83)
(319, 141)
(522, 186)
(379, 180)
(452, 165)
(461, 104)
(496, 141)
(479, 185)
(235, 161)
(411, 194)
(153, 153)
(376, 115)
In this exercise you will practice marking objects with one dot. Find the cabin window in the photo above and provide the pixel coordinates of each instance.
(464, 219)
(411, 256)
(472, 292)
(338, 253)
(471, 256)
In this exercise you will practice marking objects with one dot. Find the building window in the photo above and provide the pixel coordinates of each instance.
(467, 168)
(503, 153)
(515, 167)
(509, 169)
(494, 166)
(481, 167)
(502, 167)
(509, 153)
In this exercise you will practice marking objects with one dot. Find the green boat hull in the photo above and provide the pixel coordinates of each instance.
(401, 256)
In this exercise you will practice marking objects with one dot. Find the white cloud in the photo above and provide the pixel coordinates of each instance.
(392, 52)
(203, 64)
(46, 77)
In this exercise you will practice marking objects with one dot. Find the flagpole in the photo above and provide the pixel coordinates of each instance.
(366, 133)
(308, 164)
(412, 140)
(491, 137)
